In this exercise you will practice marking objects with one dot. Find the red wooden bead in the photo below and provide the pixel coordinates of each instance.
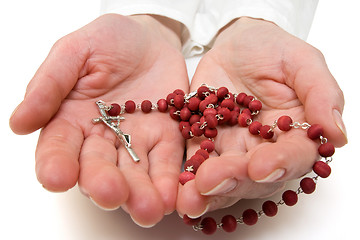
(244, 119)
(130, 106)
(210, 132)
(307, 185)
(194, 118)
(233, 118)
(250, 217)
(202, 91)
(254, 128)
(179, 92)
(255, 105)
(212, 98)
(198, 158)
(183, 124)
(196, 130)
(229, 223)
(326, 150)
(270, 208)
(322, 169)
(185, 177)
(314, 131)
(146, 106)
(203, 153)
(186, 133)
(225, 113)
(207, 145)
(265, 132)
(228, 103)
(162, 105)
(211, 120)
(173, 115)
(170, 99)
(240, 98)
(115, 110)
(192, 165)
(191, 221)
(209, 225)
(290, 197)
(211, 111)
(237, 109)
(193, 104)
(179, 101)
(222, 92)
(284, 123)
(185, 114)
(247, 100)
(203, 105)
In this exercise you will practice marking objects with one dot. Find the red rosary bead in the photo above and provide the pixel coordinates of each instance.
(179, 92)
(240, 98)
(209, 225)
(270, 208)
(228, 103)
(222, 92)
(146, 106)
(196, 129)
(290, 197)
(255, 105)
(229, 223)
(203, 153)
(284, 123)
(193, 104)
(207, 145)
(315, 131)
(326, 150)
(114, 110)
(186, 132)
(202, 91)
(265, 132)
(225, 115)
(211, 121)
(244, 119)
(185, 114)
(254, 127)
(322, 169)
(233, 120)
(162, 105)
(307, 185)
(173, 114)
(250, 217)
(130, 106)
(185, 177)
(210, 132)
(170, 99)
(247, 100)
(179, 101)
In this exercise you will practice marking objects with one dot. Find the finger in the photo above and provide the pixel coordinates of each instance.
(57, 155)
(319, 92)
(51, 84)
(290, 157)
(165, 163)
(144, 204)
(100, 179)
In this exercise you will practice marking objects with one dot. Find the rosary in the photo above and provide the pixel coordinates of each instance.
(199, 113)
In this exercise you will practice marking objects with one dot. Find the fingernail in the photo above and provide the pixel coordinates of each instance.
(199, 215)
(101, 207)
(272, 177)
(340, 123)
(224, 187)
(141, 225)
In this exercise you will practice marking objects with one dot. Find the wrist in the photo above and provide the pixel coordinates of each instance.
(167, 28)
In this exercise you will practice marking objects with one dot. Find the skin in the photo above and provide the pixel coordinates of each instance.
(117, 58)
(114, 58)
(289, 77)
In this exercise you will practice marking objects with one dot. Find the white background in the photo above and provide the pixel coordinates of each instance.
(27, 211)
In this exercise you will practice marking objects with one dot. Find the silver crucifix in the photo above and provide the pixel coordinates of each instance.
(113, 123)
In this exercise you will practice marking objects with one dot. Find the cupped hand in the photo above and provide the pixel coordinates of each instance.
(289, 77)
(114, 58)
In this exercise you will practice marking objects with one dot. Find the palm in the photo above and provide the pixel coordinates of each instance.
(114, 59)
(250, 63)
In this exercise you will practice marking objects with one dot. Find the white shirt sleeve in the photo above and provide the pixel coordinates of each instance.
(204, 18)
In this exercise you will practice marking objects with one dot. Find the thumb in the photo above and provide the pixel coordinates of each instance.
(51, 83)
(320, 94)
